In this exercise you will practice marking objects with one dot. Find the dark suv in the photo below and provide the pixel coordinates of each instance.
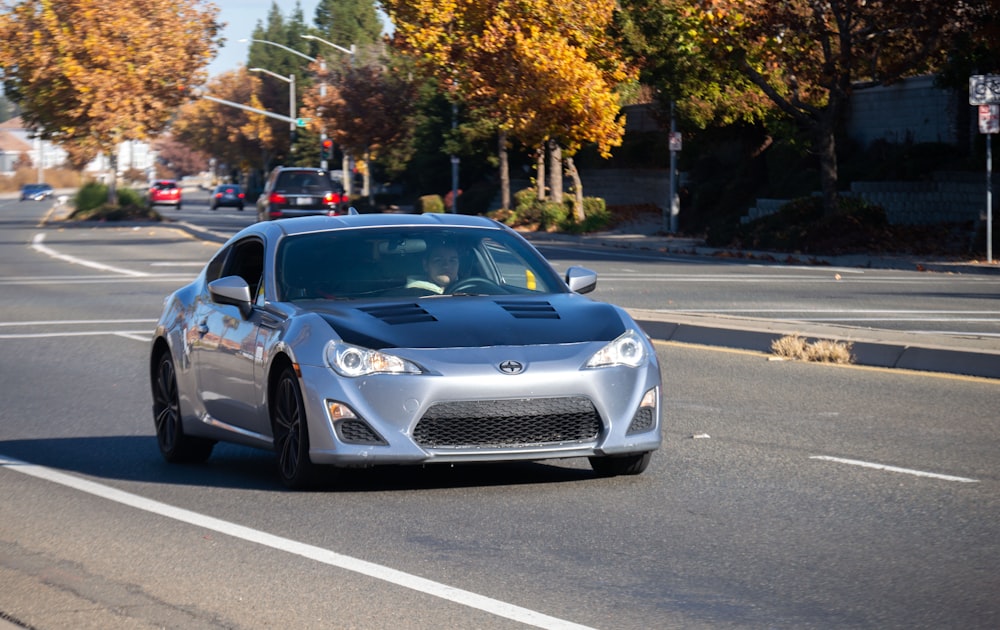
(295, 191)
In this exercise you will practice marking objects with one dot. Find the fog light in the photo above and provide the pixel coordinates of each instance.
(339, 411)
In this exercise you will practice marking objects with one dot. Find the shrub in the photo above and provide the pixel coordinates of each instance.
(821, 351)
(91, 204)
(551, 215)
(431, 204)
(525, 198)
(596, 217)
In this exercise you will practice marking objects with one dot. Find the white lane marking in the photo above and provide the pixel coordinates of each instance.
(310, 552)
(906, 471)
(145, 337)
(48, 251)
(177, 264)
(68, 322)
(102, 280)
(88, 333)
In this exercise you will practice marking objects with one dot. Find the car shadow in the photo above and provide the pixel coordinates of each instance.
(137, 459)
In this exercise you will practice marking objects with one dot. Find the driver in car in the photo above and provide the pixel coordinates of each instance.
(441, 264)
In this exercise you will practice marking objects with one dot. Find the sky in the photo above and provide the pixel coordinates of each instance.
(240, 17)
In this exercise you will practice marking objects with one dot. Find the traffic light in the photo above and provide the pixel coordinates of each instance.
(326, 149)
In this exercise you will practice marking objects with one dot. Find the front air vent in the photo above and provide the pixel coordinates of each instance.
(529, 309)
(399, 313)
(509, 423)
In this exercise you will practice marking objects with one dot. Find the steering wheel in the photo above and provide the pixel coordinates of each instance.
(472, 284)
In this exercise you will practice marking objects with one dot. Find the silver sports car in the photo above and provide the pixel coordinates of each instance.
(399, 339)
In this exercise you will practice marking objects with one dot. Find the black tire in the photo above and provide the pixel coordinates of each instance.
(174, 445)
(612, 466)
(291, 433)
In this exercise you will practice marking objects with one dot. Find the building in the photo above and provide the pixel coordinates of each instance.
(16, 141)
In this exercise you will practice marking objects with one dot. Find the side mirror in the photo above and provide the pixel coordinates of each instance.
(232, 290)
(581, 279)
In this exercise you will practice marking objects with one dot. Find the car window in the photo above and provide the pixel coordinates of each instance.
(247, 262)
(391, 262)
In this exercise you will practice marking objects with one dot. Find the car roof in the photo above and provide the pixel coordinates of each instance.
(305, 225)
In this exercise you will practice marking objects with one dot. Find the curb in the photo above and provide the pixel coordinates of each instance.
(874, 348)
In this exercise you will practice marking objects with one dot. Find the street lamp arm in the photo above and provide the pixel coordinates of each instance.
(349, 51)
(282, 46)
(273, 74)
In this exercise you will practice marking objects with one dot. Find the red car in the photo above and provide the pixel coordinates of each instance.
(165, 192)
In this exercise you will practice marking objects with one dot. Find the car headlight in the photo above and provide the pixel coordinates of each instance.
(348, 360)
(628, 349)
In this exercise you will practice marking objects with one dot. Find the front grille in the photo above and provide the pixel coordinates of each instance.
(508, 423)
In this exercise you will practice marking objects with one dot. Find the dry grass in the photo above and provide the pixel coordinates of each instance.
(821, 351)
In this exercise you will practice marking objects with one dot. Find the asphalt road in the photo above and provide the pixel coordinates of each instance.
(787, 495)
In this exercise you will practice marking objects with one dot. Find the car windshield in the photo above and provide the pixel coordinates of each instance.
(415, 262)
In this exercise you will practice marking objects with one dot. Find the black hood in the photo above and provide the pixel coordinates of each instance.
(469, 322)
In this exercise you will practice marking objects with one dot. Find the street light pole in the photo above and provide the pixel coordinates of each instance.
(345, 169)
(290, 80)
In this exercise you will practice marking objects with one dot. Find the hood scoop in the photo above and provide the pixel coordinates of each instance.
(399, 313)
(529, 309)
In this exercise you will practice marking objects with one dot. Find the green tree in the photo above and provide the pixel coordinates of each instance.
(809, 57)
(285, 35)
(91, 74)
(348, 22)
(662, 39)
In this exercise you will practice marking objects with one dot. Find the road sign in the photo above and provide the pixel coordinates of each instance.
(989, 119)
(984, 89)
(302, 122)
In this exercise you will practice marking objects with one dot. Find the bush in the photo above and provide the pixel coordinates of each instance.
(552, 215)
(596, 217)
(431, 204)
(91, 204)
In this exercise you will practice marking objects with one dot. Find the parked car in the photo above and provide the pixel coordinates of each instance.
(228, 195)
(35, 192)
(309, 337)
(165, 192)
(293, 191)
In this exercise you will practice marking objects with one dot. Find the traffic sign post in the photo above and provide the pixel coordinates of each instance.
(984, 92)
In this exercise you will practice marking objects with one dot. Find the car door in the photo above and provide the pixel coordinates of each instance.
(228, 350)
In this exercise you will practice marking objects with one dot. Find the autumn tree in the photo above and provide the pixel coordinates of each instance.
(365, 109)
(91, 74)
(544, 72)
(239, 138)
(809, 57)
(181, 158)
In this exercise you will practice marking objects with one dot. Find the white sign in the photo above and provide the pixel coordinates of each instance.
(989, 119)
(675, 141)
(984, 89)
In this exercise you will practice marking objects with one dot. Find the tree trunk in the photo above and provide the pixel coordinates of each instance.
(578, 212)
(555, 172)
(827, 148)
(540, 173)
(504, 171)
(113, 177)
